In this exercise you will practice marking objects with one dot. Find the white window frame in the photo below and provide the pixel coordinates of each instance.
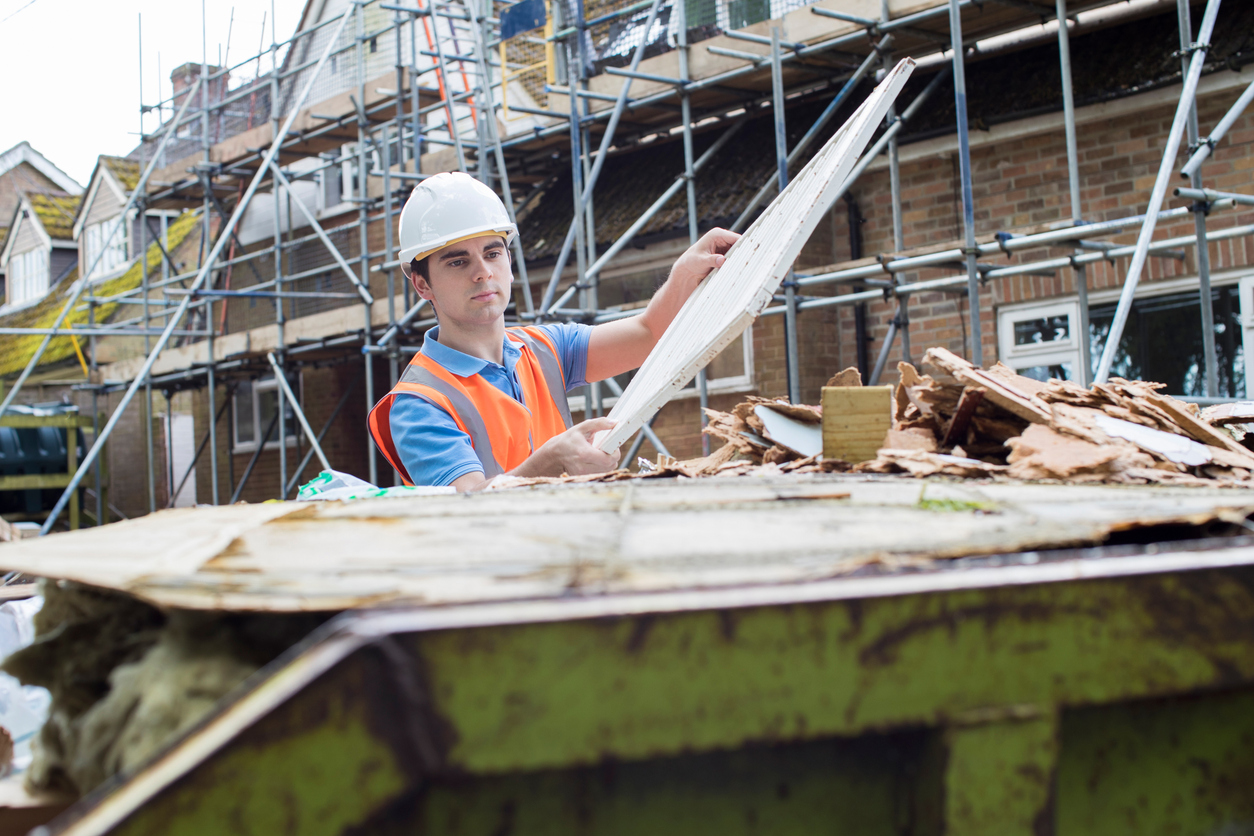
(1245, 295)
(115, 256)
(27, 276)
(1039, 354)
(267, 383)
(1049, 354)
(349, 160)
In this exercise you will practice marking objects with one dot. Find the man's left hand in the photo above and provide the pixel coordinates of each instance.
(616, 347)
(702, 257)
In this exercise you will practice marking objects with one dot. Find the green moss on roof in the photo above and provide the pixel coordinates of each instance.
(4, 236)
(16, 351)
(126, 171)
(55, 212)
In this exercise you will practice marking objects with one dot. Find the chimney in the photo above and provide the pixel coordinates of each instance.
(185, 76)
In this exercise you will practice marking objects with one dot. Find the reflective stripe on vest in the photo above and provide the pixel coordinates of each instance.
(551, 367)
(539, 373)
(470, 419)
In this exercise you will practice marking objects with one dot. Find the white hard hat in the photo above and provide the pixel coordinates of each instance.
(448, 208)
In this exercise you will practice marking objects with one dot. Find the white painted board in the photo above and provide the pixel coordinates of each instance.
(731, 297)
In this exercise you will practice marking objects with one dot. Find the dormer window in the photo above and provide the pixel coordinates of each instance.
(28, 276)
(104, 248)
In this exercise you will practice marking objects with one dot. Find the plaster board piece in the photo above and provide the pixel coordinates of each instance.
(1175, 447)
(805, 439)
(732, 296)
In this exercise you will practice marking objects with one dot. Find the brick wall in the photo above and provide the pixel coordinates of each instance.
(1021, 186)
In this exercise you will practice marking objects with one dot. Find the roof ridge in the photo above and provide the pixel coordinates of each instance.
(24, 152)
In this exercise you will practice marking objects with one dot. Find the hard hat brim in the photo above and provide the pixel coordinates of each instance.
(509, 233)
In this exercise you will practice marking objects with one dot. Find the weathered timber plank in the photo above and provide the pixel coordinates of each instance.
(856, 420)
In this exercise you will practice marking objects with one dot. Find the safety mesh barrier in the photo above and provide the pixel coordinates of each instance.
(611, 43)
(526, 70)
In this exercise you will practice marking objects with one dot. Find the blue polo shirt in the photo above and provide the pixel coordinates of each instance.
(432, 448)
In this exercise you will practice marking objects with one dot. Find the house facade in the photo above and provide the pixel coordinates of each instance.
(1126, 79)
(40, 249)
(24, 169)
(107, 240)
(1020, 177)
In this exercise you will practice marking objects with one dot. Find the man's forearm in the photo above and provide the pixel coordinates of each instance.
(617, 347)
(665, 306)
(539, 463)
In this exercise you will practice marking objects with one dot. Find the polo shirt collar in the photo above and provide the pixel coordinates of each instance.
(460, 363)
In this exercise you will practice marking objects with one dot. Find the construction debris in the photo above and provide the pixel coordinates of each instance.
(962, 421)
(1015, 427)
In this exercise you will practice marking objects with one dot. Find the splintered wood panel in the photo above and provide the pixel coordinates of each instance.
(855, 421)
(731, 297)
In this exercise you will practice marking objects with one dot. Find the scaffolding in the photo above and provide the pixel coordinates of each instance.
(364, 95)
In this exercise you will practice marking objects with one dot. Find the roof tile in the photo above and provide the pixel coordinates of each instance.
(125, 170)
(55, 211)
(16, 350)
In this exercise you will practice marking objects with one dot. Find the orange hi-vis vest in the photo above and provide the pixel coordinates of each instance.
(502, 431)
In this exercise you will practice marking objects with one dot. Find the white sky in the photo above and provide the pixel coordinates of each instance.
(71, 67)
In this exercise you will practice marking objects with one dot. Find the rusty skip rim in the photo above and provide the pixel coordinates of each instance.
(353, 630)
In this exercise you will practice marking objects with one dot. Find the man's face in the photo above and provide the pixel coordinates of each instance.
(469, 282)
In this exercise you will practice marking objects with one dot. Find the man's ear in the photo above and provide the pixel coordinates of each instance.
(422, 288)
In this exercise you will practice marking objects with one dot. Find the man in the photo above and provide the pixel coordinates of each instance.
(481, 399)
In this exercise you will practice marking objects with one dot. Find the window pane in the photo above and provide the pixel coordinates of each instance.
(28, 275)
(267, 406)
(1162, 342)
(245, 432)
(1044, 330)
(105, 259)
(1057, 371)
(41, 273)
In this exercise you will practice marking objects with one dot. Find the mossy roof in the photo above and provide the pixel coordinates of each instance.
(126, 171)
(4, 236)
(56, 212)
(16, 350)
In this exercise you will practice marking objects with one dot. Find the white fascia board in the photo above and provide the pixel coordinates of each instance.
(27, 215)
(13, 229)
(84, 208)
(24, 153)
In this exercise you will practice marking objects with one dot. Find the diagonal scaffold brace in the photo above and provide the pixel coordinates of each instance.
(1187, 94)
(206, 268)
(140, 187)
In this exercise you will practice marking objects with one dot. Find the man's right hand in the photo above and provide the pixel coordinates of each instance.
(571, 453)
